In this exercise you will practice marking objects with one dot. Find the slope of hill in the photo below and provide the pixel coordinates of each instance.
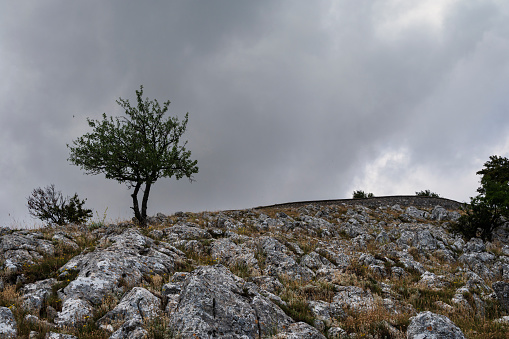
(330, 269)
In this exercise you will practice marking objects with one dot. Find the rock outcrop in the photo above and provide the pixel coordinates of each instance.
(312, 271)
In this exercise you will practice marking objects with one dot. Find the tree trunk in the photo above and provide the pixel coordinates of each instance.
(144, 203)
(136, 207)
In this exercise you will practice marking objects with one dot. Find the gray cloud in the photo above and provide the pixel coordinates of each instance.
(288, 100)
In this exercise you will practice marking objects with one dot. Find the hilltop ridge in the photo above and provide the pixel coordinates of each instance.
(383, 267)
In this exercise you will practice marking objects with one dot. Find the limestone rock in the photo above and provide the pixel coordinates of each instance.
(34, 295)
(226, 252)
(214, 302)
(74, 312)
(299, 330)
(131, 329)
(18, 249)
(8, 326)
(138, 304)
(187, 231)
(433, 326)
(279, 261)
(417, 213)
(353, 298)
(501, 289)
(54, 335)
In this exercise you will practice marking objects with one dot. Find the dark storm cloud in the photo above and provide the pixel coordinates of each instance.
(288, 100)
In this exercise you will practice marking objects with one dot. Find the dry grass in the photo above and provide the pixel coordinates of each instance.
(377, 322)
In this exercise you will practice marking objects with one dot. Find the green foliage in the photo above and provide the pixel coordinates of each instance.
(49, 205)
(136, 149)
(427, 193)
(362, 195)
(490, 208)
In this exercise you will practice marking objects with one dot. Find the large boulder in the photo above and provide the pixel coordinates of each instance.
(216, 303)
(428, 325)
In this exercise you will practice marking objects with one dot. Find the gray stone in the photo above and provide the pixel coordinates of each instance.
(314, 261)
(8, 326)
(187, 231)
(299, 330)
(475, 245)
(441, 214)
(226, 252)
(326, 312)
(501, 289)
(279, 261)
(417, 213)
(427, 325)
(383, 238)
(18, 249)
(138, 304)
(75, 312)
(353, 298)
(131, 329)
(65, 241)
(128, 257)
(54, 335)
(398, 272)
(433, 281)
(216, 303)
(34, 295)
(503, 320)
(337, 333)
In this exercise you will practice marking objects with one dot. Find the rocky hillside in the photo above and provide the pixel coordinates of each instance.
(314, 271)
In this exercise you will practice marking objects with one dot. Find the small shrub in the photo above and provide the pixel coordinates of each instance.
(50, 206)
(362, 195)
(427, 193)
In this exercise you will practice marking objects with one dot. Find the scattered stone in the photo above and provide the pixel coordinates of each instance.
(299, 330)
(501, 289)
(353, 298)
(34, 295)
(8, 326)
(138, 304)
(75, 312)
(336, 333)
(433, 326)
(54, 335)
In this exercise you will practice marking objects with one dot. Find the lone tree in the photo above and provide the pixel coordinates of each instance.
(136, 149)
(489, 209)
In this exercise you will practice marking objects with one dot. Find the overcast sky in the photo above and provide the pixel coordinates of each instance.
(287, 100)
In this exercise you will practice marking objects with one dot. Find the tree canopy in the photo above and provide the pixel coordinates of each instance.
(490, 208)
(136, 149)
